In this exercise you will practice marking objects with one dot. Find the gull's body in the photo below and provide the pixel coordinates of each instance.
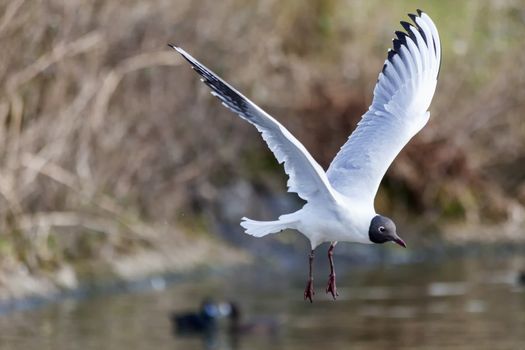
(342, 219)
(340, 202)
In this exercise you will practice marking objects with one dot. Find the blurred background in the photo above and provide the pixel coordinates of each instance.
(122, 180)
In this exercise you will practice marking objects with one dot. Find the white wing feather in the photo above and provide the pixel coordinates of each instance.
(306, 177)
(402, 96)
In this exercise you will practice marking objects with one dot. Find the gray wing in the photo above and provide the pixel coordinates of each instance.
(306, 177)
(402, 96)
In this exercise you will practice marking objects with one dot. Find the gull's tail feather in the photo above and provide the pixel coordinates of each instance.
(263, 228)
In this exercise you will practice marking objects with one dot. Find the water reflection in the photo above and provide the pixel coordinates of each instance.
(463, 304)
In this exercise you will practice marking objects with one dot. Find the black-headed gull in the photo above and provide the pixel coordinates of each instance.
(340, 202)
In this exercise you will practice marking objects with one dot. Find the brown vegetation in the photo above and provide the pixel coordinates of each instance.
(107, 142)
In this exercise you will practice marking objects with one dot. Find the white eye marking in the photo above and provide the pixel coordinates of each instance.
(382, 229)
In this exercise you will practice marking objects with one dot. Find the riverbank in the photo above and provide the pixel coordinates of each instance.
(20, 286)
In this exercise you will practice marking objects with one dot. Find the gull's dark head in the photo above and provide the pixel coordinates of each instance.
(383, 229)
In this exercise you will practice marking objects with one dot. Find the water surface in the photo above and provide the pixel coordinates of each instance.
(470, 303)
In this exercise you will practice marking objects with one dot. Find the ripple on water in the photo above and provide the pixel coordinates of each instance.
(444, 289)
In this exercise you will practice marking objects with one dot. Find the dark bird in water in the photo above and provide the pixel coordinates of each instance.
(206, 320)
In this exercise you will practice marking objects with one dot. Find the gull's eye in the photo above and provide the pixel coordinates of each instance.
(382, 229)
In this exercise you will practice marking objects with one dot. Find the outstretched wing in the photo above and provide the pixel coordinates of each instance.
(306, 177)
(402, 96)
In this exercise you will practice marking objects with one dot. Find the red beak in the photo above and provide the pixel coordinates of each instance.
(399, 241)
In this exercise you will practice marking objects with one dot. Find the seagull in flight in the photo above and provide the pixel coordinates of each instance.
(340, 202)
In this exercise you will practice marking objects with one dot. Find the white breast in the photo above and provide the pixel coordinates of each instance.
(344, 222)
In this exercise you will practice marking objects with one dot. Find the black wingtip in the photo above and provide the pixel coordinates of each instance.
(422, 32)
(420, 12)
(406, 26)
(391, 53)
(401, 36)
(396, 44)
(401, 40)
(173, 46)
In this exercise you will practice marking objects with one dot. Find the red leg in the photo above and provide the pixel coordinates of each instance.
(309, 290)
(331, 288)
